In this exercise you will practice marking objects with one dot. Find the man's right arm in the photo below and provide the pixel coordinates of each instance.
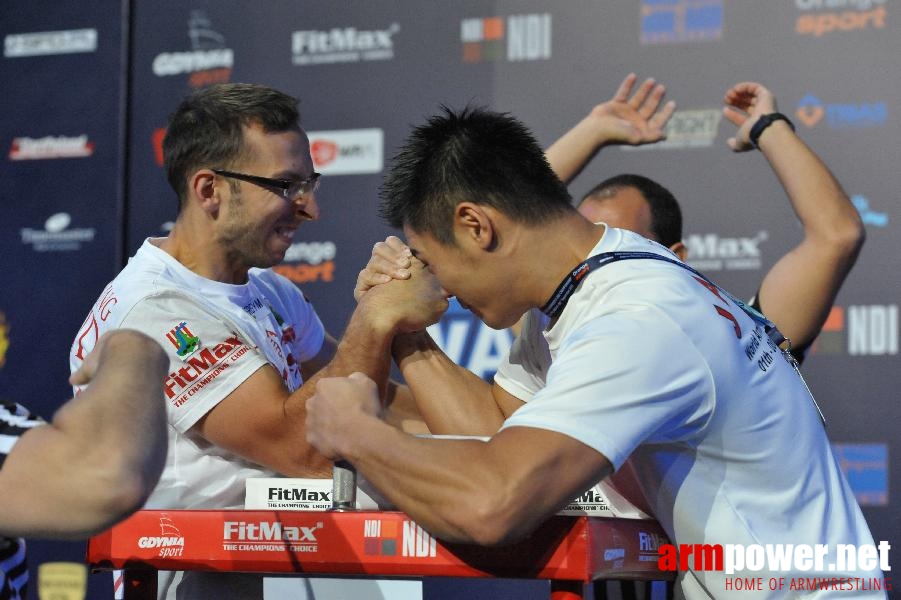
(102, 454)
(262, 422)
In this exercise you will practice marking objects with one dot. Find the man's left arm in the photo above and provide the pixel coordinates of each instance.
(798, 291)
(627, 118)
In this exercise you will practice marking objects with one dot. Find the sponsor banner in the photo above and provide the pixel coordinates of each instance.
(348, 151)
(603, 500)
(284, 493)
(342, 45)
(812, 111)
(713, 252)
(208, 61)
(43, 43)
(821, 17)
(866, 468)
(56, 235)
(695, 128)
(516, 38)
(58, 146)
(306, 262)
(681, 21)
(371, 542)
(859, 330)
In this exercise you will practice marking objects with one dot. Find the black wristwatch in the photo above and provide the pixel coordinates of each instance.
(763, 122)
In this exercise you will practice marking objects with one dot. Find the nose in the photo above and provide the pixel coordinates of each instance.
(307, 206)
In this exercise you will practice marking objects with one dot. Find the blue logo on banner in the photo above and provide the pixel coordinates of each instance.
(866, 468)
(469, 342)
(667, 21)
(868, 215)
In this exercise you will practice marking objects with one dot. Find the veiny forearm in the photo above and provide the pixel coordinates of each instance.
(450, 398)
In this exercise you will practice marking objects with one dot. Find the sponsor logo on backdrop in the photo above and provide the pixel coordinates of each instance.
(56, 235)
(812, 111)
(866, 468)
(51, 146)
(209, 61)
(469, 342)
(309, 261)
(694, 128)
(156, 139)
(4, 339)
(867, 214)
(348, 151)
(859, 330)
(269, 536)
(342, 45)
(819, 17)
(380, 538)
(170, 541)
(681, 21)
(514, 38)
(649, 544)
(43, 43)
(714, 252)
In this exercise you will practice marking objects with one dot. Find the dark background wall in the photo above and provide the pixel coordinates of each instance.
(87, 88)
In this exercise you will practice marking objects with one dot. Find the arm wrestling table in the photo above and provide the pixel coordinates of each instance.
(570, 551)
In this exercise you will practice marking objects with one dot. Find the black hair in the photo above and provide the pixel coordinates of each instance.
(666, 216)
(474, 154)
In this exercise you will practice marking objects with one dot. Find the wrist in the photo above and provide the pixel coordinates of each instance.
(763, 123)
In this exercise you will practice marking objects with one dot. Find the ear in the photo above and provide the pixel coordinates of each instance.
(680, 250)
(472, 222)
(203, 190)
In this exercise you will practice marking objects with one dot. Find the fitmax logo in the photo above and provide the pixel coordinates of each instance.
(267, 531)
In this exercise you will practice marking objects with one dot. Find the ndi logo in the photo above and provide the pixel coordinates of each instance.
(528, 37)
(469, 342)
(859, 330)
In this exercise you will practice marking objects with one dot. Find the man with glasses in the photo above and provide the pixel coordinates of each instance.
(244, 344)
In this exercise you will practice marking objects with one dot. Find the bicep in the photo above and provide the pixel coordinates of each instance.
(798, 292)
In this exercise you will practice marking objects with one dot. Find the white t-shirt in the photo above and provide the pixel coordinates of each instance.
(648, 362)
(216, 336)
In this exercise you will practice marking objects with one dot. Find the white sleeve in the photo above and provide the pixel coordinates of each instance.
(523, 371)
(208, 359)
(612, 389)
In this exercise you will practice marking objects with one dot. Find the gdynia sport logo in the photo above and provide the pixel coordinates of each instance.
(805, 567)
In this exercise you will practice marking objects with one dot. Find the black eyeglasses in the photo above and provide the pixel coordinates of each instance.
(290, 189)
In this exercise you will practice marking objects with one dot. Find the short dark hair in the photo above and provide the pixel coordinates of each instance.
(206, 130)
(473, 154)
(666, 216)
